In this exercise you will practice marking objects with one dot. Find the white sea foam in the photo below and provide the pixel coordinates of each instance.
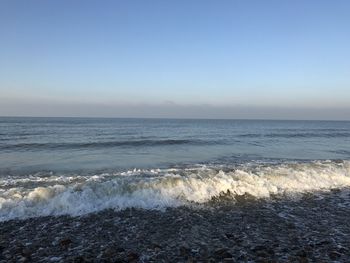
(157, 189)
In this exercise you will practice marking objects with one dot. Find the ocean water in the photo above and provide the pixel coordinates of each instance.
(53, 166)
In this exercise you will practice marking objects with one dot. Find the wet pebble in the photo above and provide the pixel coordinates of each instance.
(309, 230)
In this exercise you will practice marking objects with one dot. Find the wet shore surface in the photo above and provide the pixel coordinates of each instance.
(314, 228)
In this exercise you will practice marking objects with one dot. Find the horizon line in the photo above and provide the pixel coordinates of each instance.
(172, 118)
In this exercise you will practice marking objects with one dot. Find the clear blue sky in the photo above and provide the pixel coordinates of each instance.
(175, 58)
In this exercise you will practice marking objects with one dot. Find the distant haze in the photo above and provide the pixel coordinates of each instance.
(176, 59)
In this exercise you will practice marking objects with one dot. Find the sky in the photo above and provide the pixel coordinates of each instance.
(178, 59)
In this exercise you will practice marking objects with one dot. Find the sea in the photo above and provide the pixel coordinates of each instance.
(76, 166)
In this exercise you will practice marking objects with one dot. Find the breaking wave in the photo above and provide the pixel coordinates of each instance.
(51, 194)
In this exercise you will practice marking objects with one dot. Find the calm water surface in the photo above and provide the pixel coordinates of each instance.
(70, 144)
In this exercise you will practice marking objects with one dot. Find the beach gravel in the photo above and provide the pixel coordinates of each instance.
(312, 228)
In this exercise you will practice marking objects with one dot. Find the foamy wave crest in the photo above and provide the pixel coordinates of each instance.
(160, 188)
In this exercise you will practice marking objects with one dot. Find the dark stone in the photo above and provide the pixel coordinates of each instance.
(184, 251)
(133, 257)
(323, 242)
(262, 254)
(270, 251)
(112, 252)
(79, 259)
(242, 257)
(119, 249)
(222, 253)
(285, 250)
(302, 253)
(26, 253)
(259, 248)
(229, 236)
(303, 258)
(334, 255)
(156, 247)
(291, 225)
(65, 242)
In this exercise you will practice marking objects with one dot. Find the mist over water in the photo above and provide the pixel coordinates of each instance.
(51, 166)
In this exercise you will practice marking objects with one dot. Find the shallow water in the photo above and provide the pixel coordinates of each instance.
(51, 166)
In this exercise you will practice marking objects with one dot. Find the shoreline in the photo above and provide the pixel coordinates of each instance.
(314, 228)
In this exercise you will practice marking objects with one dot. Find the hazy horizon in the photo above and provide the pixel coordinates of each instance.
(183, 112)
(183, 59)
